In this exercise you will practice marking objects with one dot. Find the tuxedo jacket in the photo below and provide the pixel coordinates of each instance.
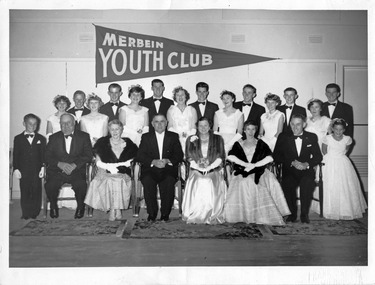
(103, 149)
(84, 112)
(28, 158)
(165, 103)
(106, 109)
(256, 111)
(148, 151)
(343, 111)
(295, 110)
(80, 152)
(285, 152)
(209, 112)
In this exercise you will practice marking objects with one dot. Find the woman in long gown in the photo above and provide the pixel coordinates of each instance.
(181, 118)
(133, 116)
(342, 196)
(94, 123)
(228, 122)
(319, 125)
(110, 189)
(203, 201)
(61, 103)
(254, 194)
(271, 122)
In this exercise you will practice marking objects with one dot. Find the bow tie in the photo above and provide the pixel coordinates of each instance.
(114, 104)
(331, 104)
(78, 109)
(289, 107)
(67, 136)
(296, 137)
(203, 103)
(156, 99)
(29, 135)
(246, 104)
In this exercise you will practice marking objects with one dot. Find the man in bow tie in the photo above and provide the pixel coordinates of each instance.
(67, 153)
(28, 158)
(156, 104)
(299, 153)
(111, 108)
(334, 108)
(79, 110)
(204, 107)
(251, 110)
(290, 107)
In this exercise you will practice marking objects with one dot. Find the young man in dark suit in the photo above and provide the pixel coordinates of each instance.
(79, 110)
(67, 153)
(204, 107)
(334, 108)
(290, 107)
(111, 108)
(299, 153)
(160, 153)
(157, 104)
(251, 110)
(28, 159)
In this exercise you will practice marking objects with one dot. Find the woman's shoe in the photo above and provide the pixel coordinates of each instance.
(112, 215)
(90, 212)
(118, 214)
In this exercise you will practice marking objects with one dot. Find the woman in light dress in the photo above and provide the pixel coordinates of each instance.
(254, 194)
(181, 118)
(342, 196)
(94, 123)
(203, 201)
(272, 121)
(61, 103)
(133, 116)
(110, 189)
(228, 122)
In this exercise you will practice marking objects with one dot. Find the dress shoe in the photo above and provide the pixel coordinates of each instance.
(151, 218)
(291, 219)
(54, 213)
(79, 213)
(164, 218)
(305, 219)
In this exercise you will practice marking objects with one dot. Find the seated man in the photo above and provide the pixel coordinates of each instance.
(299, 153)
(160, 153)
(67, 153)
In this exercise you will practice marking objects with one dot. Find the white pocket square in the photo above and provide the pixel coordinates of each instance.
(38, 142)
(309, 145)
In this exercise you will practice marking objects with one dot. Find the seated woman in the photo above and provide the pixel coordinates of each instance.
(110, 189)
(205, 189)
(254, 194)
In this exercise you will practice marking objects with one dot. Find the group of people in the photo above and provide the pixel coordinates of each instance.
(160, 133)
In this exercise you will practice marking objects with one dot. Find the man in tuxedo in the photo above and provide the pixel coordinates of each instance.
(67, 153)
(204, 107)
(251, 110)
(337, 109)
(290, 107)
(299, 153)
(157, 104)
(79, 110)
(111, 108)
(160, 153)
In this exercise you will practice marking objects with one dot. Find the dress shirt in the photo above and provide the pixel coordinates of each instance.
(160, 140)
(202, 107)
(298, 142)
(246, 108)
(114, 107)
(68, 142)
(157, 104)
(78, 113)
(288, 112)
(331, 108)
(30, 137)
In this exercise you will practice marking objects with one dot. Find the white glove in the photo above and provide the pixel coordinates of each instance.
(236, 160)
(41, 172)
(111, 167)
(194, 165)
(249, 167)
(17, 174)
(215, 164)
(125, 163)
(145, 129)
(264, 161)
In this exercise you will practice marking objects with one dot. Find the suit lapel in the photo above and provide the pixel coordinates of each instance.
(337, 113)
(293, 144)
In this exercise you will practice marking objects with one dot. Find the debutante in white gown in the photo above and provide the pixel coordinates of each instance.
(134, 125)
(342, 196)
(248, 202)
(270, 124)
(95, 125)
(228, 126)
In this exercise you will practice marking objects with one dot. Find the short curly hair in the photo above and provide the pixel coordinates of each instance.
(61, 98)
(226, 92)
(94, 97)
(272, 97)
(312, 101)
(136, 89)
(178, 89)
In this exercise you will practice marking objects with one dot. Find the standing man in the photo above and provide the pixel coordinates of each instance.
(290, 107)
(67, 153)
(111, 108)
(160, 153)
(337, 109)
(157, 104)
(299, 153)
(79, 110)
(251, 110)
(204, 107)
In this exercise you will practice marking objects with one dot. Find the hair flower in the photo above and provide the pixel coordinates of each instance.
(193, 138)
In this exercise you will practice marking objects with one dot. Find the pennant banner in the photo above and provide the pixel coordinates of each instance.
(122, 55)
